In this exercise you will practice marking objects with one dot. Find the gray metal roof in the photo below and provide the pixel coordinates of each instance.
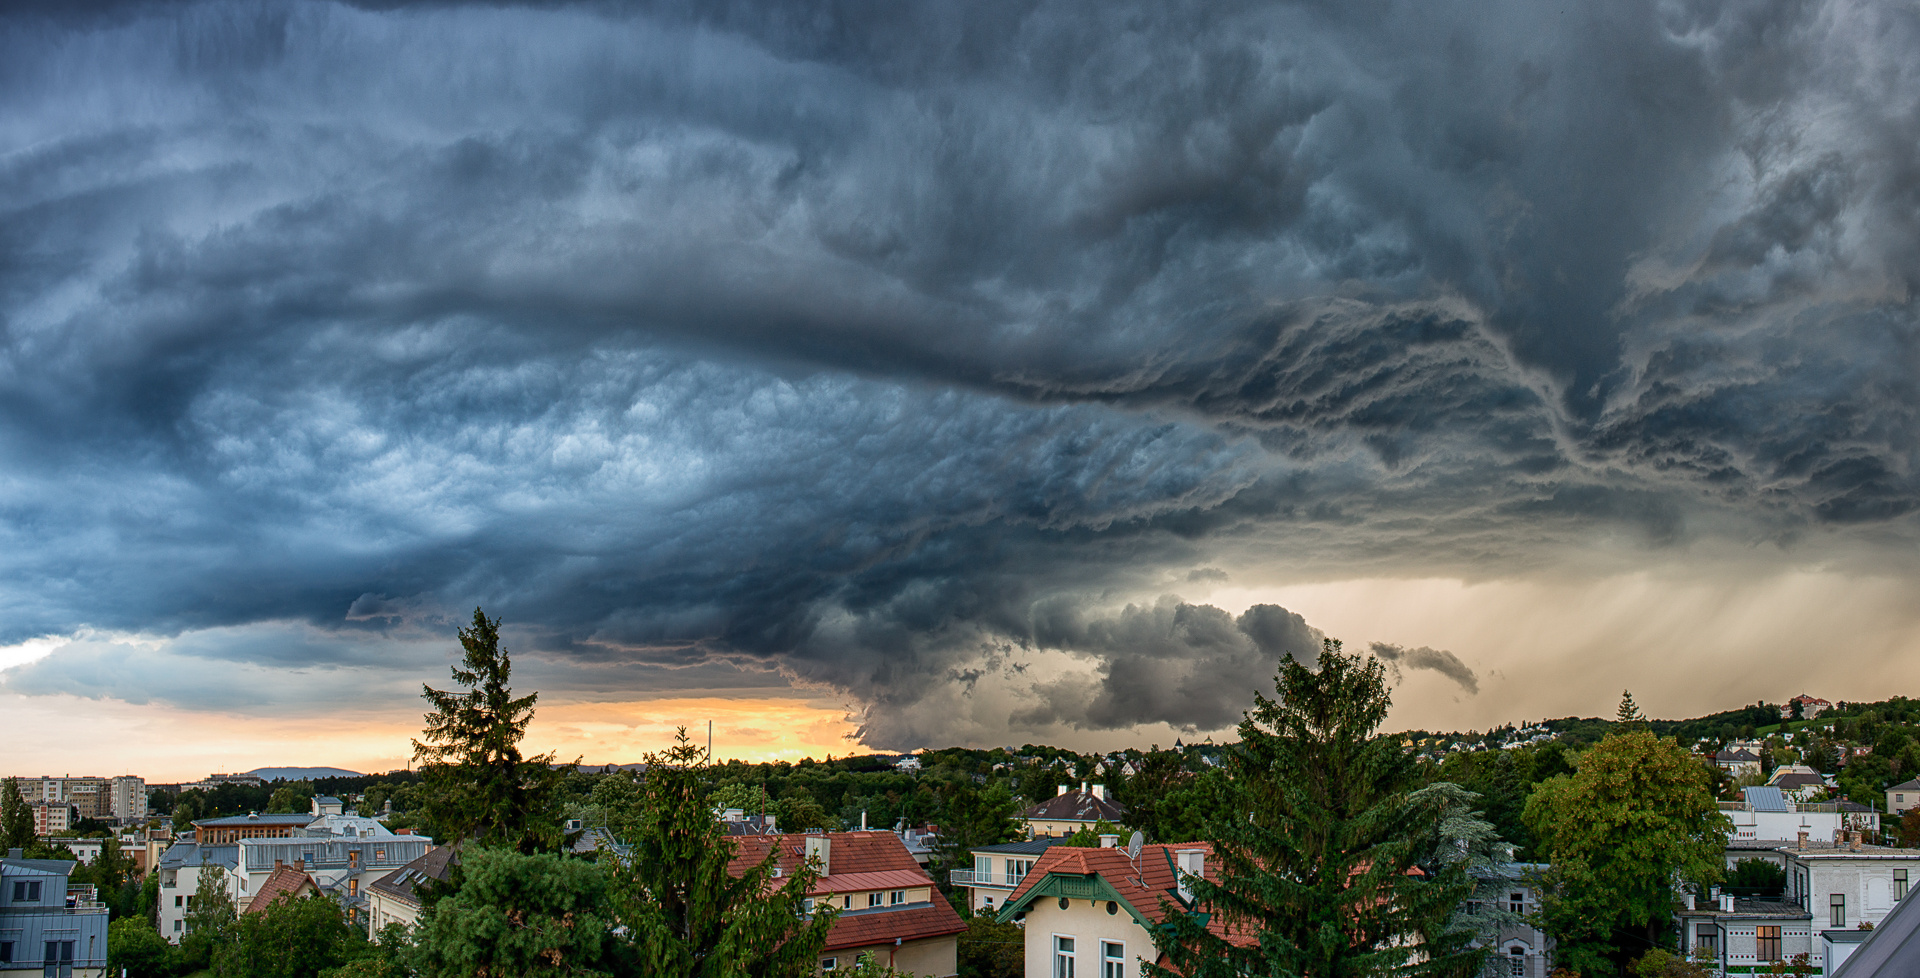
(58, 867)
(1031, 847)
(231, 821)
(1766, 798)
(186, 855)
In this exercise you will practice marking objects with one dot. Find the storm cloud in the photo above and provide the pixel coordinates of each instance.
(882, 348)
(1438, 660)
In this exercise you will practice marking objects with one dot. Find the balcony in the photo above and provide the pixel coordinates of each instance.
(968, 877)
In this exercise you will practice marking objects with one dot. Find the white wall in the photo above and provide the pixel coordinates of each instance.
(1088, 923)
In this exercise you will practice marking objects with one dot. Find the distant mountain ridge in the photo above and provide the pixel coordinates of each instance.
(301, 773)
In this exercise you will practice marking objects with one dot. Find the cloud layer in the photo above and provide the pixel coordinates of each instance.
(886, 347)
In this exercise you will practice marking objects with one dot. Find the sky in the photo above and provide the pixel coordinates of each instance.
(871, 376)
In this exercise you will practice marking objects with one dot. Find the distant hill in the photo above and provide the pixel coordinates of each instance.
(301, 773)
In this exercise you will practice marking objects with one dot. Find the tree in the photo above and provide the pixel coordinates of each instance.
(1629, 713)
(688, 917)
(291, 797)
(16, 817)
(479, 787)
(991, 949)
(1315, 857)
(971, 817)
(1463, 836)
(1757, 879)
(134, 945)
(185, 810)
(292, 937)
(1636, 812)
(209, 920)
(517, 914)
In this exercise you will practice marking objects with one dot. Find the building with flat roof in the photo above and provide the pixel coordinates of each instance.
(997, 870)
(47, 926)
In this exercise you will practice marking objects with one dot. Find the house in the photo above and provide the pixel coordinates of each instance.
(1093, 911)
(328, 805)
(340, 867)
(284, 881)
(997, 870)
(1526, 949)
(1069, 811)
(1799, 782)
(908, 764)
(1903, 796)
(1887, 951)
(1848, 884)
(231, 829)
(888, 904)
(1744, 936)
(1737, 762)
(1810, 706)
(180, 868)
(48, 927)
(393, 898)
(1765, 814)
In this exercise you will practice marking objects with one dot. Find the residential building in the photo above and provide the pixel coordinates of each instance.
(212, 781)
(1767, 814)
(284, 881)
(1090, 913)
(392, 899)
(123, 797)
(53, 818)
(1887, 951)
(1810, 706)
(1737, 762)
(1902, 797)
(229, 830)
(341, 866)
(1799, 782)
(1848, 884)
(1071, 810)
(127, 795)
(888, 904)
(84, 849)
(1526, 949)
(48, 927)
(328, 805)
(180, 868)
(1745, 936)
(997, 870)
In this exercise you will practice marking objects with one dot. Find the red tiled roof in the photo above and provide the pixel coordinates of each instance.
(283, 880)
(912, 923)
(1142, 883)
(860, 861)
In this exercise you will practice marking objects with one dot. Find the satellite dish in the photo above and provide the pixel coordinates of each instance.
(1134, 844)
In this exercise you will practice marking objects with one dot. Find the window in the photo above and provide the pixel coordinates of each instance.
(1062, 957)
(353, 859)
(1766, 941)
(1707, 936)
(1838, 904)
(983, 869)
(26, 891)
(176, 926)
(1473, 908)
(846, 902)
(353, 888)
(1113, 959)
(896, 898)
(1517, 902)
(873, 899)
(1899, 884)
(1017, 870)
(1518, 958)
(828, 964)
(6, 952)
(179, 901)
(379, 855)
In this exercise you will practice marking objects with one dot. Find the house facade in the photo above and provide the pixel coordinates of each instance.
(394, 897)
(47, 927)
(1902, 797)
(1524, 950)
(1745, 936)
(1842, 887)
(179, 869)
(887, 904)
(997, 870)
(1090, 913)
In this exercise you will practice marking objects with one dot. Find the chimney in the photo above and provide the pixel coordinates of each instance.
(1726, 903)
(1100, 791)
(1063, 790)
(1191, 862)
(1109, 841)
(1083, 787)
(819, 847)
(13, 854)
(1802, 842)
(299, 865)
(279, 863)
(1690, 900)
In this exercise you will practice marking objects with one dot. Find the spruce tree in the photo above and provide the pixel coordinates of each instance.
(477, 784)
(687, 916)
(16, 818)
(1315, 851)
(1629, 714)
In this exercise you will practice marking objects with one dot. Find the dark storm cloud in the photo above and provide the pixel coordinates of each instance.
(870, 345)
(1438, 660)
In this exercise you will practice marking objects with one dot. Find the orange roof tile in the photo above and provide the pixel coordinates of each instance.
(910, 923)
(284, 880)
(860, 861)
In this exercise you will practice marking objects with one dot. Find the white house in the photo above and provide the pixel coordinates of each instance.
(1903, 796)
(1847, 885)
(179, 870)
(997, 870)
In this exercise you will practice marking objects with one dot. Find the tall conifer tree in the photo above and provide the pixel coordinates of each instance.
(1315, 851)
(478, 785)
(16, 818)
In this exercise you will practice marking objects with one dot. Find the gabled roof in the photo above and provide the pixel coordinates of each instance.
(860, 862)
(437, 864)
(847, 852)
(1794, 780)
(52, 867)
(1913, 785)
(1741, 756)
(1139, 885)
(1076, 805)
(285, 881)
(919, 921)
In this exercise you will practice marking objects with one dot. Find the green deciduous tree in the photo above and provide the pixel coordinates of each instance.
(1636, 812)
(134, 945)
(970, 817)
(16, 817)
(292, 937)
(209, 920)
(991, 949)
(687, 916)
(1314, 855)
(478, 784)
(517, 914)
(291, 797)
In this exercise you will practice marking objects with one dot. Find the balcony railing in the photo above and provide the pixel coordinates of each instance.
(968, 877)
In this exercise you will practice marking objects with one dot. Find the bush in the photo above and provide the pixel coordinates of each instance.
(291, 938)
(134, 945)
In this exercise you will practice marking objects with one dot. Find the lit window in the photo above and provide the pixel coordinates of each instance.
(1063, 957)
(1837, 903)
(1766, 941)
(1113, 959)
